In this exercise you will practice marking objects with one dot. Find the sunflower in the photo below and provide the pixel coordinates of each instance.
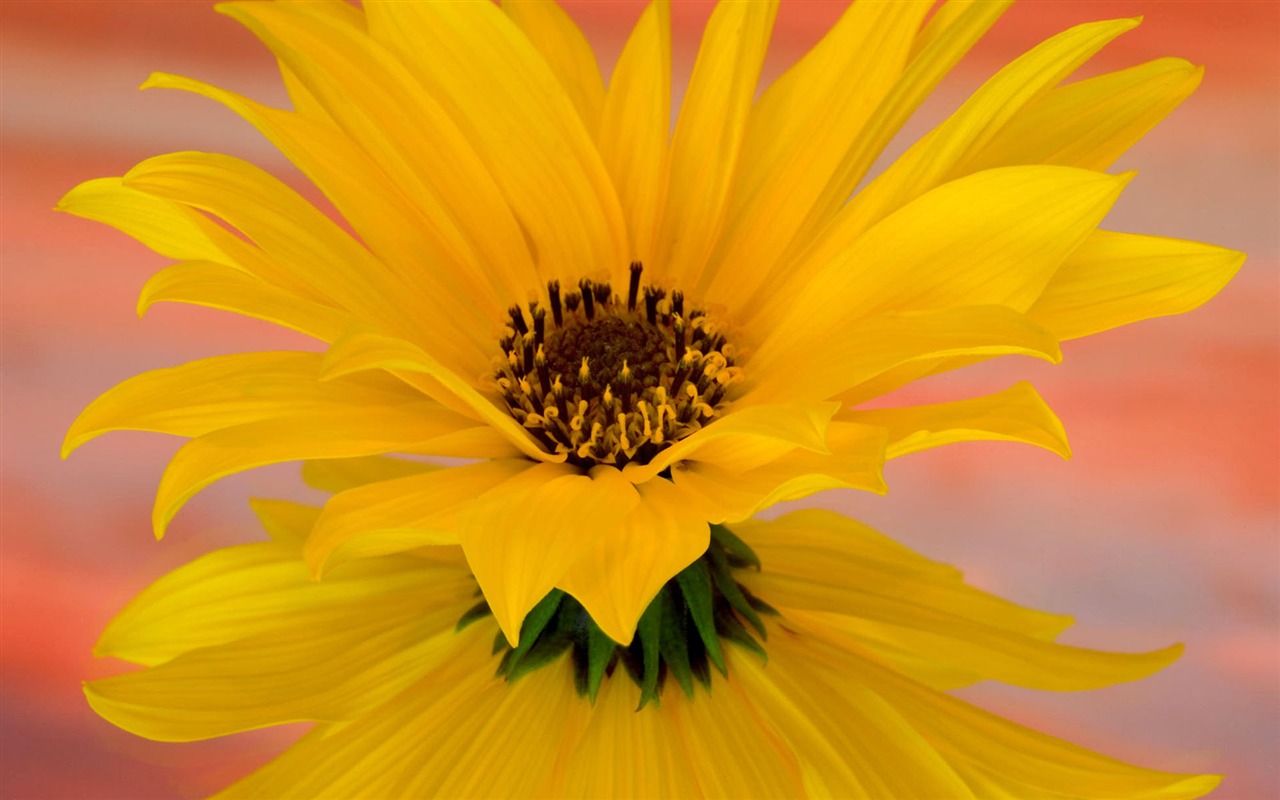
(392, 659)
(629, 333)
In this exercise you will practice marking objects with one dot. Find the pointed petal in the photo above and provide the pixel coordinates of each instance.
(163, 226)
(616, 581)
(220, 392)
(522, 536)
(708, 136)
(800, 132)
(1017, 414)
(308, 433)
(1114, 279)
(566, 51)
(636, 124)
(392, 516)
(505, 99)
(994, 237)
(1092, 122)
(845, 360)
(361, 350)
(334, 475)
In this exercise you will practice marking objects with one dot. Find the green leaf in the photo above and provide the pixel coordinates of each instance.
(542, 653)
(730, 542)
(736, 632)
(674, 639)
(649, 632)
(729, 589)
(695, 583)
(477, 612)
(533, 624)
(599, 651)
(499, 642)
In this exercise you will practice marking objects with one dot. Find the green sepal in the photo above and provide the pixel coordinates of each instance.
(758, 604)
(477, 612)
(729, 590)
(673, 639)
(599, 652)
(734, 631)
(542, 653)
(534, 622)
(499, 642)
(735, 546)
(695, 582)
(649, 634)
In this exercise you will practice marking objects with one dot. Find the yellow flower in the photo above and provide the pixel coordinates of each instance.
(639, 332)
(862, 638)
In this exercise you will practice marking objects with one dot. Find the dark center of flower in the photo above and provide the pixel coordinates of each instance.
(681, 635)
(610, 382)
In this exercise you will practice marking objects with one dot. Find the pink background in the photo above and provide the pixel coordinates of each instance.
(1162, 528)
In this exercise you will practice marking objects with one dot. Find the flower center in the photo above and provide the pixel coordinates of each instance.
(681, 634)
(610, 382)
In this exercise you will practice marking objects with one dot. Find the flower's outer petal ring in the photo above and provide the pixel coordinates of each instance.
(616, 581)
(334, 475)
(523, 535)
(401, 514)
(1017, 414)
(1114, 279)
(286, 522)
(327, 433)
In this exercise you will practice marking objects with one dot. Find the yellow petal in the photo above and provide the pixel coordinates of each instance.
(413, 240)
(855, 462)
(505, 99)
(644, 752)
(310, 669)
(636, 124)
(861, 746)
(522, 536)
(256, 590)
(220, 392)
(309, 433)
(204, 283)
(335, 475)
(566, 51)
(994, 237)
(163, 226)
(616, 581)
(1004, 760)
(1017, 414)
(361, 350)
(798, 135)
(849, 358)
(1092, 122)
(932, 160)
(952, 30)
(743, 430)
(400, 514)
(383, 109)
(815, 545)
(286, 522)
(1118, 278)
(708, 136)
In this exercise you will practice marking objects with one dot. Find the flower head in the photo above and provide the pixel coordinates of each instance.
(640, 333)
(391, 660)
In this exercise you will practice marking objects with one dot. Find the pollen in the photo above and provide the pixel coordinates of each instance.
(607, 379)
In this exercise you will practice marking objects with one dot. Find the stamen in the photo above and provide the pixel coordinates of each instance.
(614, 384)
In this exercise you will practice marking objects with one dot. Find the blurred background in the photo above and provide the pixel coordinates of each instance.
(1162, 528)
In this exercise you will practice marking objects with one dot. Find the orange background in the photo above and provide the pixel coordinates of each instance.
(1162, 528)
